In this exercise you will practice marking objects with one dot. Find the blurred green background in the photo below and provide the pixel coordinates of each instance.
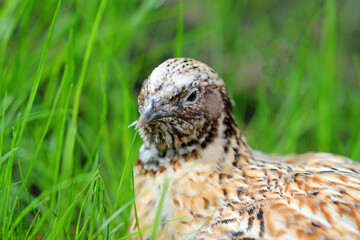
(70, 73)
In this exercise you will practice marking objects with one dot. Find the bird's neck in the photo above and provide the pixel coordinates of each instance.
(224, 142)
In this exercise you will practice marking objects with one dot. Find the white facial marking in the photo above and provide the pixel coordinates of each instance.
(183, 80)
(156, 78)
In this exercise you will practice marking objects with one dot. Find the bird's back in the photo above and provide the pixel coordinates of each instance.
(311, 196)
(315, 196)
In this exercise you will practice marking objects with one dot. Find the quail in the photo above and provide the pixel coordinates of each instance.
(218, 186)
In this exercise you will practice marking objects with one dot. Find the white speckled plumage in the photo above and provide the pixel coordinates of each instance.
(219, 186)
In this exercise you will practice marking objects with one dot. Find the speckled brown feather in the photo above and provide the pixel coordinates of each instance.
(221, 189)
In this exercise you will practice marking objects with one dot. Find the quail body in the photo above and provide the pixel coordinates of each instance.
(219, 187)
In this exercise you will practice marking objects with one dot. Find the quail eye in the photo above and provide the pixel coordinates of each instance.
(192, 97)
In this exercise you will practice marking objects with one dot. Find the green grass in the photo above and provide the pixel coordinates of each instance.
(70, 72)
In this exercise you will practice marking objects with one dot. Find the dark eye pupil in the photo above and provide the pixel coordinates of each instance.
(192, 97)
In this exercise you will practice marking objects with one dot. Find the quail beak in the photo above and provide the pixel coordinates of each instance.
(151, 113)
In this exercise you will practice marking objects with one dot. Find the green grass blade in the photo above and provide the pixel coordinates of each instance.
(135, 210)
(6, 188)
(46, 193)
(8, 154)
(32, 223)
(127, 163)
(94, 209)
(73, 126)
(47, 125)
(2, 126)
(63, 220)
(38, 73)
(60, 140)
(328, 81)
(179, 29)
(80, 215)
(114, 215)
(159, 209)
